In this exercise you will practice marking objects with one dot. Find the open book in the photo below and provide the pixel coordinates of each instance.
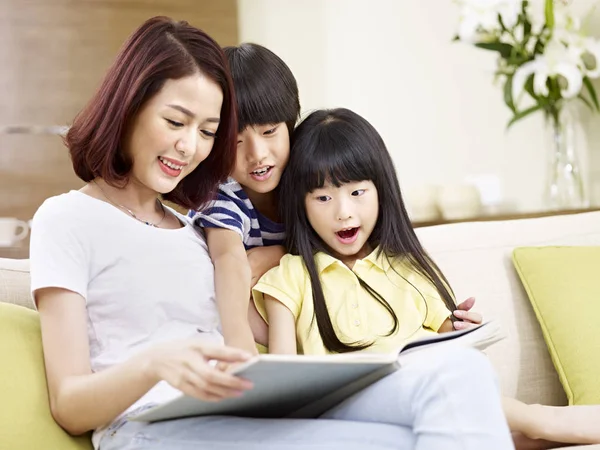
(306, 386)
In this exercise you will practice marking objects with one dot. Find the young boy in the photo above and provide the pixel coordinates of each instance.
(243, 230)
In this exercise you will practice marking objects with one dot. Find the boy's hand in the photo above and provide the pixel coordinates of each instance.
(469, 319)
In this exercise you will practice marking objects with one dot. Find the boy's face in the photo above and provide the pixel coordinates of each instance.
(262, 154)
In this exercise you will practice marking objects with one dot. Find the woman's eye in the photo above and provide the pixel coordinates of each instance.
(174, 123)
(208, 133)
(271, 131)
(358, 192)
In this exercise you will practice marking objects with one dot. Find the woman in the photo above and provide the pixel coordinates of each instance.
(124, 285)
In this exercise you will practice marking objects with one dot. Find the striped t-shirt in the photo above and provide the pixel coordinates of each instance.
(233, 210)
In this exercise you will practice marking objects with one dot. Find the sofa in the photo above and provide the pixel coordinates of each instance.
(475, 257)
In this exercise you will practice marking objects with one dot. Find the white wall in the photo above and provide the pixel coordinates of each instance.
(432, 100)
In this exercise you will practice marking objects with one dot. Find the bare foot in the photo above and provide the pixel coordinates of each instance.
(567, 424)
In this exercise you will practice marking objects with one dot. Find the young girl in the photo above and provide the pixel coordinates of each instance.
(357, 278)
(243, 227)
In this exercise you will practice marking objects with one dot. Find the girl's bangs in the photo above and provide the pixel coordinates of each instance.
(335, 161)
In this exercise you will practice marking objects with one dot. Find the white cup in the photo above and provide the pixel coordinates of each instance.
(12, 231)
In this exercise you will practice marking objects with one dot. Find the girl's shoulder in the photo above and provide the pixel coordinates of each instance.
(293, 264)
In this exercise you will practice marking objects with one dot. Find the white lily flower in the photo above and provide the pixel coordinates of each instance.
(556, 60)
(481, 16)
(564, 17)
(585, 50)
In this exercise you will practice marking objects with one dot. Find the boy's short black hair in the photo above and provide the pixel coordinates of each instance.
(265, 87)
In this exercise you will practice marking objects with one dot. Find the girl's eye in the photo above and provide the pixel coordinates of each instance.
(174, 123)
(271, 131)
(209, 134)
(358, 192)
(323, 198)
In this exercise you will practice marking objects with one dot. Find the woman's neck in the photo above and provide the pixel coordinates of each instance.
(133, 196)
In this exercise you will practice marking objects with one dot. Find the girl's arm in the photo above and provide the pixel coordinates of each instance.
(282, 327)
(232, 286)
(81, 400)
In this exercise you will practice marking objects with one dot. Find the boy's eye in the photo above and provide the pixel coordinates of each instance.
(358, 192)
(174, 123)
(271, 131)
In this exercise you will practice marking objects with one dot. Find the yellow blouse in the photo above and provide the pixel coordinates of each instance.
(355, 314)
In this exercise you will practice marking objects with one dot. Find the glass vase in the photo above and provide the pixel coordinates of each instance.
(565, 187)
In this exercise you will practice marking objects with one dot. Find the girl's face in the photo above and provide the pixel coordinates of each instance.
(174, 132)
(262, 154)
(344, 217)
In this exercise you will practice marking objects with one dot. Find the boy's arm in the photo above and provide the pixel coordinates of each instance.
(282, 327)
(263, 259)
(232, 286)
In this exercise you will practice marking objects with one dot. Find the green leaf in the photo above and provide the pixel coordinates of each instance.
(529, 86)
(549, 13)
(508, 98)
(500, 47)
(523, 114)
(526, 29)
(586, 101)
(501, 22)
(590, 87)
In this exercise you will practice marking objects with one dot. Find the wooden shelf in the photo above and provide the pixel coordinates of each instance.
(506, 216)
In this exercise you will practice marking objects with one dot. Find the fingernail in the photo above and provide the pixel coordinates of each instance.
(458, 325)
(459, 313)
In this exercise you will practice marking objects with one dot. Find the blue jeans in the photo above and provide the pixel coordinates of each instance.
(440, 399)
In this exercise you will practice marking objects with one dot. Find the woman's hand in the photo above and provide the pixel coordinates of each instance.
(190, 366)
(469, 319)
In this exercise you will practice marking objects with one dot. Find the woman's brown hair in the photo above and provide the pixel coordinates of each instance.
(160, 49)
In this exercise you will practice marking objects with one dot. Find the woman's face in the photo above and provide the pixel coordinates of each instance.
(174, 132)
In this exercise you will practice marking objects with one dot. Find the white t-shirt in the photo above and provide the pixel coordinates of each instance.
(142, 285)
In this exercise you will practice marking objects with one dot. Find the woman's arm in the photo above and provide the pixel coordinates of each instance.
(81, 400)
(282, 327)
(232, 286)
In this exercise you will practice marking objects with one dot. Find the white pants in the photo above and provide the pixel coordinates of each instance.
(443, 399)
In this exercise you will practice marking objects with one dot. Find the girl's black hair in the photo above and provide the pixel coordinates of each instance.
(339, 146)
(265, 87)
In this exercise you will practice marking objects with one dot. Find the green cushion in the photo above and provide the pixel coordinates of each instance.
(25, 419)
(563, 285)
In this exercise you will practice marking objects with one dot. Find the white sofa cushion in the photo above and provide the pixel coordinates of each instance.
(15, 282)
(476, 257)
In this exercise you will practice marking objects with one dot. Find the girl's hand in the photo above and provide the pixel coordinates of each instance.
(469, 319)
(189, 366)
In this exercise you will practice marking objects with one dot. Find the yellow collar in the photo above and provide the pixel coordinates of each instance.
(324, 260)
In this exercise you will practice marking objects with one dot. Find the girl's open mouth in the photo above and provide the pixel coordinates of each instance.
(347, 236)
